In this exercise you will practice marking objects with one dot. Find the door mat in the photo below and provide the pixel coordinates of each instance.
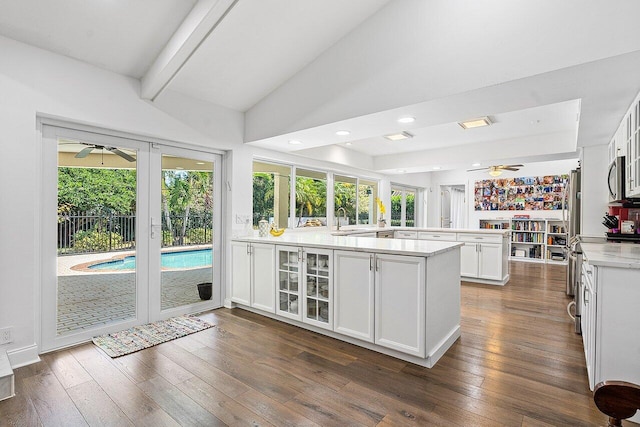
(145, 336)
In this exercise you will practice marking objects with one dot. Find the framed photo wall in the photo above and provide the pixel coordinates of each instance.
(530, 193)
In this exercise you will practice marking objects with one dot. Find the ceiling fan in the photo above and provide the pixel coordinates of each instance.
(497, 169)
(90, 147)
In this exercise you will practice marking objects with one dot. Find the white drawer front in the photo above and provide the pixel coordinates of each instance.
(479, 238)
(406, 235)
(449, 237)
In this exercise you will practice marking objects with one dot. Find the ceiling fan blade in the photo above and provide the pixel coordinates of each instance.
(84, 152)
(510, 169)
(479, 169)
(511, 166)
(121, 154)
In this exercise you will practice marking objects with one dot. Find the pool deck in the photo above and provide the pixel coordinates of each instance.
(90, 298)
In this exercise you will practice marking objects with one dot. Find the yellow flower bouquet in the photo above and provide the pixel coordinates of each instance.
(381, 222)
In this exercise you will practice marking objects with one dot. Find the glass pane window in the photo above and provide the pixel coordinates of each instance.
(403, 206)
(367, 193)
(311, 198)
(271, 193)
(345, 199)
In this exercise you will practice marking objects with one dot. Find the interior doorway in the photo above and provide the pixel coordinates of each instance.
(453, 206)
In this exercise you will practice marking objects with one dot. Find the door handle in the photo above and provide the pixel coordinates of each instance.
(154, 227)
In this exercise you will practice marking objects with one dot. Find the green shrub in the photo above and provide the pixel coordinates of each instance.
(96, 241)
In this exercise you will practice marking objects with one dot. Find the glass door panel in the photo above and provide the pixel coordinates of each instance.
(93, 181)
(185, 253)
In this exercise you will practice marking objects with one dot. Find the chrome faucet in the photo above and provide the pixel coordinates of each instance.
(344, 211)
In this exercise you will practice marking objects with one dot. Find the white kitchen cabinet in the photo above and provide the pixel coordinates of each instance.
(631, 126)
(241, 272)
(481, 256)
(289, 268)
(404, 234)
(317, 287)
(253, 276)
(469, 260)
(429, 235)
(610, 319)
(354, 294)
(400, 303)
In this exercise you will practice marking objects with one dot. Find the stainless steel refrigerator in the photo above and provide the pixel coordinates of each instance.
(574, 251)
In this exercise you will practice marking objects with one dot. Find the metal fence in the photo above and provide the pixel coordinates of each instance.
(88, 232)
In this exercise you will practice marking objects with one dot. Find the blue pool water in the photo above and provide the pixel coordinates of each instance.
(183, 259)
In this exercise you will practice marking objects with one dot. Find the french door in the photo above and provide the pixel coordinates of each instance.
(130, 234)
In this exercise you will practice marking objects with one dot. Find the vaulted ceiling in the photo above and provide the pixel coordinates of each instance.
(552, 76)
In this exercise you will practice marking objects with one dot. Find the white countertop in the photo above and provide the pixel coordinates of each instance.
(423, 248)
(355, 231)
(620, 255)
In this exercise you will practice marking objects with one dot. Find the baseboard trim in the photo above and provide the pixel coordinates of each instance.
(23, 356)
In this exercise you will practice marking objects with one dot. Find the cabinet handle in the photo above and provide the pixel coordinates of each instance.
(584, 296)
(248, 248)
(299, 254)
(478, 238)
(589, 272)
(377, 264)
(479, 248)
(370, 262)
(436, 236)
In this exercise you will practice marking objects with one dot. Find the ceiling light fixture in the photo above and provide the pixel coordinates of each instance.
(399, 136)
(406, 120)
(495, 172)
(343, 133)
(199, 163)
(436, 168)
(294, 142)
(401, 171)
(348, 144)
(475, 123)
(475, 165)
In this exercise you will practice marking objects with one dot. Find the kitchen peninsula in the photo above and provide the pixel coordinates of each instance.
(400, 297)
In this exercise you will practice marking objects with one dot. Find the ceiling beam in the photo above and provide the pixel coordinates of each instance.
(194, 30)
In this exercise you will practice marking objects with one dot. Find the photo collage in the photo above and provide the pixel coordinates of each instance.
(532, 193)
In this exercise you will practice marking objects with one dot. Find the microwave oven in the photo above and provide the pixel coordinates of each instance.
(616, 180)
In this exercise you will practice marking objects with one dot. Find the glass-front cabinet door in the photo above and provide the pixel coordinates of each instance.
(289, 268)
(318, 287)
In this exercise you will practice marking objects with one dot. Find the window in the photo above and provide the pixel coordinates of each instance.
(307, 206)
(403, 213)
(311, 198)
(271, 193)
(367, 193)
(344, 195)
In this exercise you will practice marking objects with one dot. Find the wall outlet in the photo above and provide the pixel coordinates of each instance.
(6, 335)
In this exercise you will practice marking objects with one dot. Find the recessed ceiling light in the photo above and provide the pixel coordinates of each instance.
(294, 142)
(401, 171)
(475, 164)
(348, 144)
(406, 120)
(399, 136)
(475, 123)
(199, 163)
(436, 168)
(343, 133)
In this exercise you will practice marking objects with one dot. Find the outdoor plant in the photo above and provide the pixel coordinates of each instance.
(94, 241)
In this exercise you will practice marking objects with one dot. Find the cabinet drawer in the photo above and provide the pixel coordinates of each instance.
(406, 235)
(449, 237)
(479, 238)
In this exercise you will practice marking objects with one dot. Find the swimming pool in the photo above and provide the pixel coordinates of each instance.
(169, 260)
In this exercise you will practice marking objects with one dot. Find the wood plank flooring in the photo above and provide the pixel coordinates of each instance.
(518, 363)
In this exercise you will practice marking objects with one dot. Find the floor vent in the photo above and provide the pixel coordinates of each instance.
(7, 385)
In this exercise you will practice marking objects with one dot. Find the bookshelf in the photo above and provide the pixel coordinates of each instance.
(533, 239)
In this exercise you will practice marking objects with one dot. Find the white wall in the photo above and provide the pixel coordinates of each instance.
(458, 177)
(32, 82)
(594, 192)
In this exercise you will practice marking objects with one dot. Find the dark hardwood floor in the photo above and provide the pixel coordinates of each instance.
(518, 363)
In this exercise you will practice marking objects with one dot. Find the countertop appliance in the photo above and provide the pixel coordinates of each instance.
(615, 180)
